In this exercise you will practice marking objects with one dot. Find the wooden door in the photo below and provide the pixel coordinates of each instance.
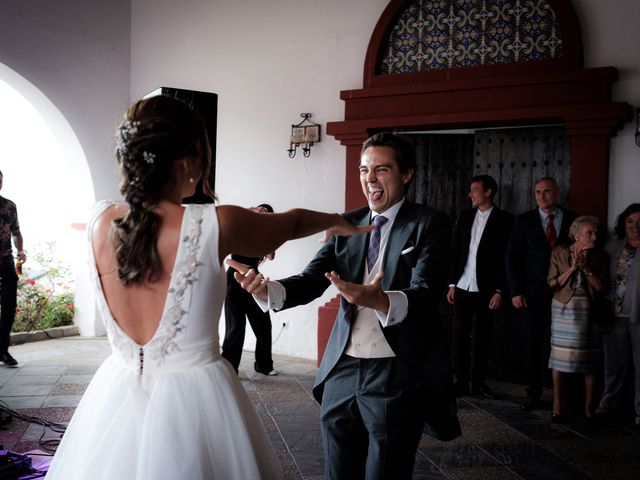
(515, 158)
(444, 167)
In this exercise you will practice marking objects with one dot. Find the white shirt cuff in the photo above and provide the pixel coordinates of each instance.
(398, 309)
(276, 295)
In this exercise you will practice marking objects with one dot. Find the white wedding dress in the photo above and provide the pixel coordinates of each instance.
(172, 409)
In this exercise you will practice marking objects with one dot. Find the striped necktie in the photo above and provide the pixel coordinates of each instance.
(374, 241)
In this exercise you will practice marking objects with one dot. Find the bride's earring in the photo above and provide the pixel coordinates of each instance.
(187, 172)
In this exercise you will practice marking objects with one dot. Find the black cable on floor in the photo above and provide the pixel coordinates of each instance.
(48, 445)
(281, 330)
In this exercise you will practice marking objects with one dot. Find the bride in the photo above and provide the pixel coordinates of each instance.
(165, 405)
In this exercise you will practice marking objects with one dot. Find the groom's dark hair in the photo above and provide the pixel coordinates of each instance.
(405, 153)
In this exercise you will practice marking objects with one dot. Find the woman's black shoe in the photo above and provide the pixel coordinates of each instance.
(558, 418)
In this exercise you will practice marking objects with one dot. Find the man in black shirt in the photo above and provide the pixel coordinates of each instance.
(9, 228)
(239, 304)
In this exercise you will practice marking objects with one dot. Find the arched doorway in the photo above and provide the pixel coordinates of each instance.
(47, 175)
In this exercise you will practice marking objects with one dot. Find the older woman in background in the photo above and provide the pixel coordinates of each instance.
(622, 343)
(577, 277)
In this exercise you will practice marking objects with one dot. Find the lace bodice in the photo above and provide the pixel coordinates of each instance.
(187, 333)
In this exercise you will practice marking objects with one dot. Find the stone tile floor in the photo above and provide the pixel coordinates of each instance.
(500, 441)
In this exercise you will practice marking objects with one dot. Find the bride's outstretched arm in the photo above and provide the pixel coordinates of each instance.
(255, 234)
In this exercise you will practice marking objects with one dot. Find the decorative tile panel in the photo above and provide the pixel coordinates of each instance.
(443, 34)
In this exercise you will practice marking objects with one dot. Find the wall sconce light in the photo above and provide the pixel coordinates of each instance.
(638, 126)
(305, 133)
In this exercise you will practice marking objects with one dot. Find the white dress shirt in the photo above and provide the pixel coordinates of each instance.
(469, 279)
(557, 219)
(367, 339)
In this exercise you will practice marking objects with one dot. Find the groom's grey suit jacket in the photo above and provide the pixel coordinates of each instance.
(415, 262)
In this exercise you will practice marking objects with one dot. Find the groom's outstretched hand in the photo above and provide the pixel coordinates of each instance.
(252, 282)
(369, 295)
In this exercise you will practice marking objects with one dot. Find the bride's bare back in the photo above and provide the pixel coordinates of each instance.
(137, 308)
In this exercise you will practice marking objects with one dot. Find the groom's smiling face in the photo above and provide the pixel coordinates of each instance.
(382, 182)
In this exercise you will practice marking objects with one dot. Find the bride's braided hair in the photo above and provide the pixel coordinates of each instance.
(154, 134)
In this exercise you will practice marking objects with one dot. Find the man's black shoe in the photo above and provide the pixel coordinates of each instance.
(482, 390)
(8, 360)
(270, 373)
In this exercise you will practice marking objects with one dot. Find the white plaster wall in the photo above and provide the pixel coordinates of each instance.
(611, 37)
(76, 54)
(271, 61)
(268, 62)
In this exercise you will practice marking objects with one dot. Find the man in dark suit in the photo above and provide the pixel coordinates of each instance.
(534, 235)
(477, 283)
(385, 370)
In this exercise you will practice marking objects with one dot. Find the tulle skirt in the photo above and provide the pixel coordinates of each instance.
(195, 423)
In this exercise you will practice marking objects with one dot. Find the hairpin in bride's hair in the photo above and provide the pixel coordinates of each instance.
(126, 130)
(148, 157)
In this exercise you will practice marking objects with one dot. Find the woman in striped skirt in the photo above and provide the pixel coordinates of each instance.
(577, 275)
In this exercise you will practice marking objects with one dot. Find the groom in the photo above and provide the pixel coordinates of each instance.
(385, 371)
